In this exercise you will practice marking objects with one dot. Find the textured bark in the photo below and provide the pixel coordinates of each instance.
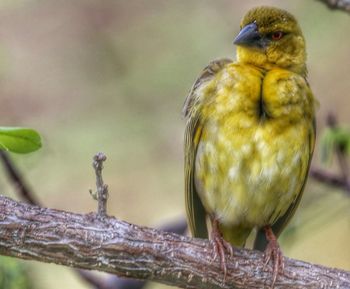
(109, 245)
(338, 4)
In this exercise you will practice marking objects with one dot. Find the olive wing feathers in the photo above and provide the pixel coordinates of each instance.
(196, 214)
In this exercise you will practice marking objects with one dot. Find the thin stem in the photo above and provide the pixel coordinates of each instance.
(102, 189)
(17, 179)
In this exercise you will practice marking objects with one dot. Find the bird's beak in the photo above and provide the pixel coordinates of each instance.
(249, 36)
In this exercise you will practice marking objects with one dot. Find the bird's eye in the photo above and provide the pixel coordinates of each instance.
(277, 35)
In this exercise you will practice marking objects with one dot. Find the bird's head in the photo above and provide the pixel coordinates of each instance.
(271, 37)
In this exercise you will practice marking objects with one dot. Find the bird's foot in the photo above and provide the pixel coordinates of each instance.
(220, 247)
(273, 253)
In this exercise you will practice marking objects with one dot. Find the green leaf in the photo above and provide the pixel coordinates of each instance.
(19, 140)
(333, 138)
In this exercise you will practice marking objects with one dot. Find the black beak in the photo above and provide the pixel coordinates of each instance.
(250, 36)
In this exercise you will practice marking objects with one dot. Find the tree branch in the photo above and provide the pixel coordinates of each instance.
(17, 180)
(330, 179)
(26, 193)
(23, 190)
(338, 4)
(117, 247)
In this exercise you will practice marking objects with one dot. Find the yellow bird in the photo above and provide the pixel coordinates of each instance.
(250, 136)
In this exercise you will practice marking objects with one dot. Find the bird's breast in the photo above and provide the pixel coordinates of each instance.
(249, 162)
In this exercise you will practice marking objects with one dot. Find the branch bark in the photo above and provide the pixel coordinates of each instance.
(338, 4)
(113, 246)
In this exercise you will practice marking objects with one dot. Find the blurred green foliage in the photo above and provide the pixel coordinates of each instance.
(13, 274)
(332, 138)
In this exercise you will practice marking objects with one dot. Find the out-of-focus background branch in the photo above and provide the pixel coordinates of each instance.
(112, 76)
(338, 4)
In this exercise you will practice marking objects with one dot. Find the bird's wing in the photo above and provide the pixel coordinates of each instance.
(196, 214)
(260, 240)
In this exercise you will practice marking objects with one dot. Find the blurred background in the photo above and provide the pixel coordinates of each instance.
(112, 76)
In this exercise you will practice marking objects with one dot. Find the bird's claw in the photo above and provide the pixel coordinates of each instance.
(220, 248)
(274, 253)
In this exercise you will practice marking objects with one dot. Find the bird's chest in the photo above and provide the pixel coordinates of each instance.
(252, 174)
(248, 163)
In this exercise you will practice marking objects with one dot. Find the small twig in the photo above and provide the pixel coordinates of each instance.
(17, 180)
(101, 195)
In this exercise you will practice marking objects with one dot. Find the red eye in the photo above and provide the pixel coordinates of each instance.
(277, 35)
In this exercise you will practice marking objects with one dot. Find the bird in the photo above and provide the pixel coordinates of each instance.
(249, 138)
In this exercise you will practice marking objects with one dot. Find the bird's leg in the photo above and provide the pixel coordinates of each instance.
(273, 252)
(220, 245)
